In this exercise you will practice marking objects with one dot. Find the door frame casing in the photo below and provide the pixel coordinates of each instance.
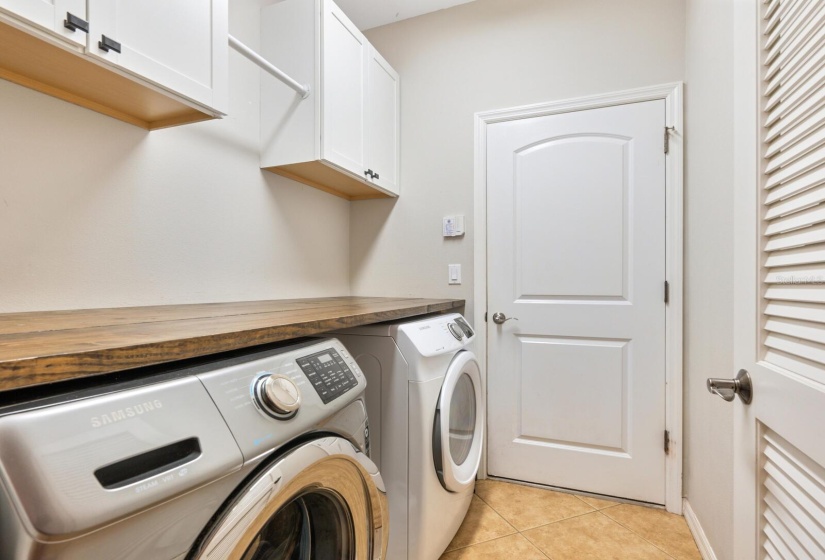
(672, 94)
(747, 184)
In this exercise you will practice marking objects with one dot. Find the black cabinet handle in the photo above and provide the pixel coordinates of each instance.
(107, 44)
(74, 23)
(369, 173)
(375, 175)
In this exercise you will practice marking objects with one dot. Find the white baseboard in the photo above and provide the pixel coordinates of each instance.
(698, 533)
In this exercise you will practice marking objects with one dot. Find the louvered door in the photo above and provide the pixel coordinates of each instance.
(779, 483)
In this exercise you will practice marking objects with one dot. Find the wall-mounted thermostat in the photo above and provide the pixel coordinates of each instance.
(453, 226)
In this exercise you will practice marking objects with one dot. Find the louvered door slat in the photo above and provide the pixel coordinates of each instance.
(792, 137)
(795, 310)
(796, 516)
(807, 236)
(810, 274)
(794, 192)
(810, 65)
(793, 96)
(796, 329)
(796, 117)
(784, 21)
(798, 256)
(801, 148)
(796, 347)
(785, 52)
(796, 293)
(792, 497)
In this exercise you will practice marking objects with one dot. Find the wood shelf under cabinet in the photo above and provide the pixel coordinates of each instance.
(40, 65)
(323, 177)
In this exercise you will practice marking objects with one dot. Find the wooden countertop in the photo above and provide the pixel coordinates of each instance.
(44, 347)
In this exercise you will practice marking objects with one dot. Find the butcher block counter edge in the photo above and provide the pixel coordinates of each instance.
(51, 346)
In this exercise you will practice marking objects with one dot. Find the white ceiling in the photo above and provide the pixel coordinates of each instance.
(367, 14)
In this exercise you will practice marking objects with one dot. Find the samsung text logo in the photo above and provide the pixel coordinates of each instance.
(125, 413)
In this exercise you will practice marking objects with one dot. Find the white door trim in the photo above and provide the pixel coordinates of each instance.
(672, 94)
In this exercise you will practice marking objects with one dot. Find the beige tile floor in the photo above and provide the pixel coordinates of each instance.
(515, 522)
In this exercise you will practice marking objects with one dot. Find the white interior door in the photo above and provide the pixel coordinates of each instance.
(576, 253)
(779, 113)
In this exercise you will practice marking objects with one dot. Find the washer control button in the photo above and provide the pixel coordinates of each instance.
(456, 331)
(279, 396)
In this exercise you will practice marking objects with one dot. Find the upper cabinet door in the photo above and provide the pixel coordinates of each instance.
(383, 121)
(51, 15)
(343, 61)
(180, 46)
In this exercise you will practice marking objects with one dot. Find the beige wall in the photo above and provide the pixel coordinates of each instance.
(493, 54)
(484, 55)
(708, 267)
(97, 213)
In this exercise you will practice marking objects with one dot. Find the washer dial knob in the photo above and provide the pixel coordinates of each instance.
(456, 331)
(279, 396)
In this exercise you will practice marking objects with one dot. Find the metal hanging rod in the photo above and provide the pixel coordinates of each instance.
(266, 65)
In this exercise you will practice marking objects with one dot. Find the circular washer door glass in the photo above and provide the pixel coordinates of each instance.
(462, 419)
(313, 526)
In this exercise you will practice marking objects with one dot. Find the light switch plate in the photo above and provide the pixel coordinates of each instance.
(454, 274)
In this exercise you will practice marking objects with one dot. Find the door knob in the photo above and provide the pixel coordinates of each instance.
(728, 388)
(501, 318)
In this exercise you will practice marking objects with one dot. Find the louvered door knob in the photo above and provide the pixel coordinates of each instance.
(729, 388)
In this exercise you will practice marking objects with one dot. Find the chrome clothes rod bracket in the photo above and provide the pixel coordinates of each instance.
(266, 65)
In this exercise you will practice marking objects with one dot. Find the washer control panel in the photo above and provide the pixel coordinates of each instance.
(270, 397)
(328, 373)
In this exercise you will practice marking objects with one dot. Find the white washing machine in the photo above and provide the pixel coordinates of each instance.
(258, 456)
(426, 415)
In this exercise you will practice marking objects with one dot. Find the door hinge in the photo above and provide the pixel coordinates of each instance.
(667, 137)
(667, 442)
(667, 292)
(485, 316)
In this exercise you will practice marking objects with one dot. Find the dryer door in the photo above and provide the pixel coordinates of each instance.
(458, 430)
(325, 500)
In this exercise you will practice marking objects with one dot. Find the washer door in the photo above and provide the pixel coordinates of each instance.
(325, 500)
(458, 430)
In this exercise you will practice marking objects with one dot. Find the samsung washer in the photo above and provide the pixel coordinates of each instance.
(427, 420)
(257, 456)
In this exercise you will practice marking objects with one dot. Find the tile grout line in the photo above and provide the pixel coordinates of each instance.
(515, 531)
(654, 545)
(499, 538)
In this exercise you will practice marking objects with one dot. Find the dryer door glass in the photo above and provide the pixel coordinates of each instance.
(462, 419)
(459, 424)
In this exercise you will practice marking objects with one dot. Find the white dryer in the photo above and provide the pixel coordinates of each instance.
(426, 414)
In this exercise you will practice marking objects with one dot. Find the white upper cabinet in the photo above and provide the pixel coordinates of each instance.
(180, 46)
(163, 63)
(382, 129)
(344, 138)
(64, 18)
(344, 81)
